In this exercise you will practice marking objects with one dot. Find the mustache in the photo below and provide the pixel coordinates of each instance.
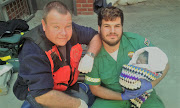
(112, 34)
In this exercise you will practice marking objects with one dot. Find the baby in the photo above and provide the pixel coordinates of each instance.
(147, 63)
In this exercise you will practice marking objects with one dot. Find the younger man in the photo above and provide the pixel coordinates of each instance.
(117, 46)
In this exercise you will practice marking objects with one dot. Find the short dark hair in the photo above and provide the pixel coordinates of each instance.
(110, 13)
(56, 5)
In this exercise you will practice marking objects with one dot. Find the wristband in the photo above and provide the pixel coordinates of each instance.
(90, 54)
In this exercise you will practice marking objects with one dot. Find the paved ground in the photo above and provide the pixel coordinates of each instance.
(159, 21)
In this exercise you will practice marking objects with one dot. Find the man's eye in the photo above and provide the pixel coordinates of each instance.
(118, 26)
(69, 26)
(56, 27)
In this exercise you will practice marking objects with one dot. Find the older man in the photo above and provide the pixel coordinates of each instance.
(49, 60)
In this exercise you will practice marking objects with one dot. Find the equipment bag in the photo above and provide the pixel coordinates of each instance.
(9, 50)
(10, 35)
(9, 46)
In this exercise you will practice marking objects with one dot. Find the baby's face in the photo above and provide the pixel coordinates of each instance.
(143, 58)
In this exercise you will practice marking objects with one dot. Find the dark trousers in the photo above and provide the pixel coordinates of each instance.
(84, 93)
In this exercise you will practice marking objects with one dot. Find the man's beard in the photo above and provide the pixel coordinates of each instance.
(109, 42)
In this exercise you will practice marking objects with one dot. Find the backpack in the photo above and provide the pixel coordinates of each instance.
(12, 26)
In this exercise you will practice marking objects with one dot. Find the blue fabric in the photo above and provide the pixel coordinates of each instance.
(26, 105)
(30, 103)
(35, 69)
(91, 97)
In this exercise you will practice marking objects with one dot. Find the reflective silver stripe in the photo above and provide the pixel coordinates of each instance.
(92, 79)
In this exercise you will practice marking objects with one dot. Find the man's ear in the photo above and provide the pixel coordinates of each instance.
(99, 28)
(43, 24)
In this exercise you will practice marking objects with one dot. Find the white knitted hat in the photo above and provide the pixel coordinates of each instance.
(157, 59)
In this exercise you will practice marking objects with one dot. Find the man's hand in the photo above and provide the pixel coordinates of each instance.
(129, 94)
(145, 85)
(83, 104)
(86, 64)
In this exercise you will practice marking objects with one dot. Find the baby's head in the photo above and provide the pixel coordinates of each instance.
(143, 58)
(150, 58)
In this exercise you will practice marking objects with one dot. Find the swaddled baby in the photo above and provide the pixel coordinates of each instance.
(147, 63)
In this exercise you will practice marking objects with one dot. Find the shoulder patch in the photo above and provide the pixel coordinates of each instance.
(146, 42)
(130, 54)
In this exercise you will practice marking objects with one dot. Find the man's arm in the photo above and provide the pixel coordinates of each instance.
(155, 82)
(57, 99)
(88, 36)
(95, 45)
(86, 63)
(105, 93)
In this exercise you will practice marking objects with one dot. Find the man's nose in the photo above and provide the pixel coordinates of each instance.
(112, 30)
(62, 31)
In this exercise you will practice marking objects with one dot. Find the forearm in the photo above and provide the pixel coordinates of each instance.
(105, 93)
(155, 82)
(57, 99)
(95, 45)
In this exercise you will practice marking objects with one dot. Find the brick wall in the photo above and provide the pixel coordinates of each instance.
(18, 9)
(84, 7)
